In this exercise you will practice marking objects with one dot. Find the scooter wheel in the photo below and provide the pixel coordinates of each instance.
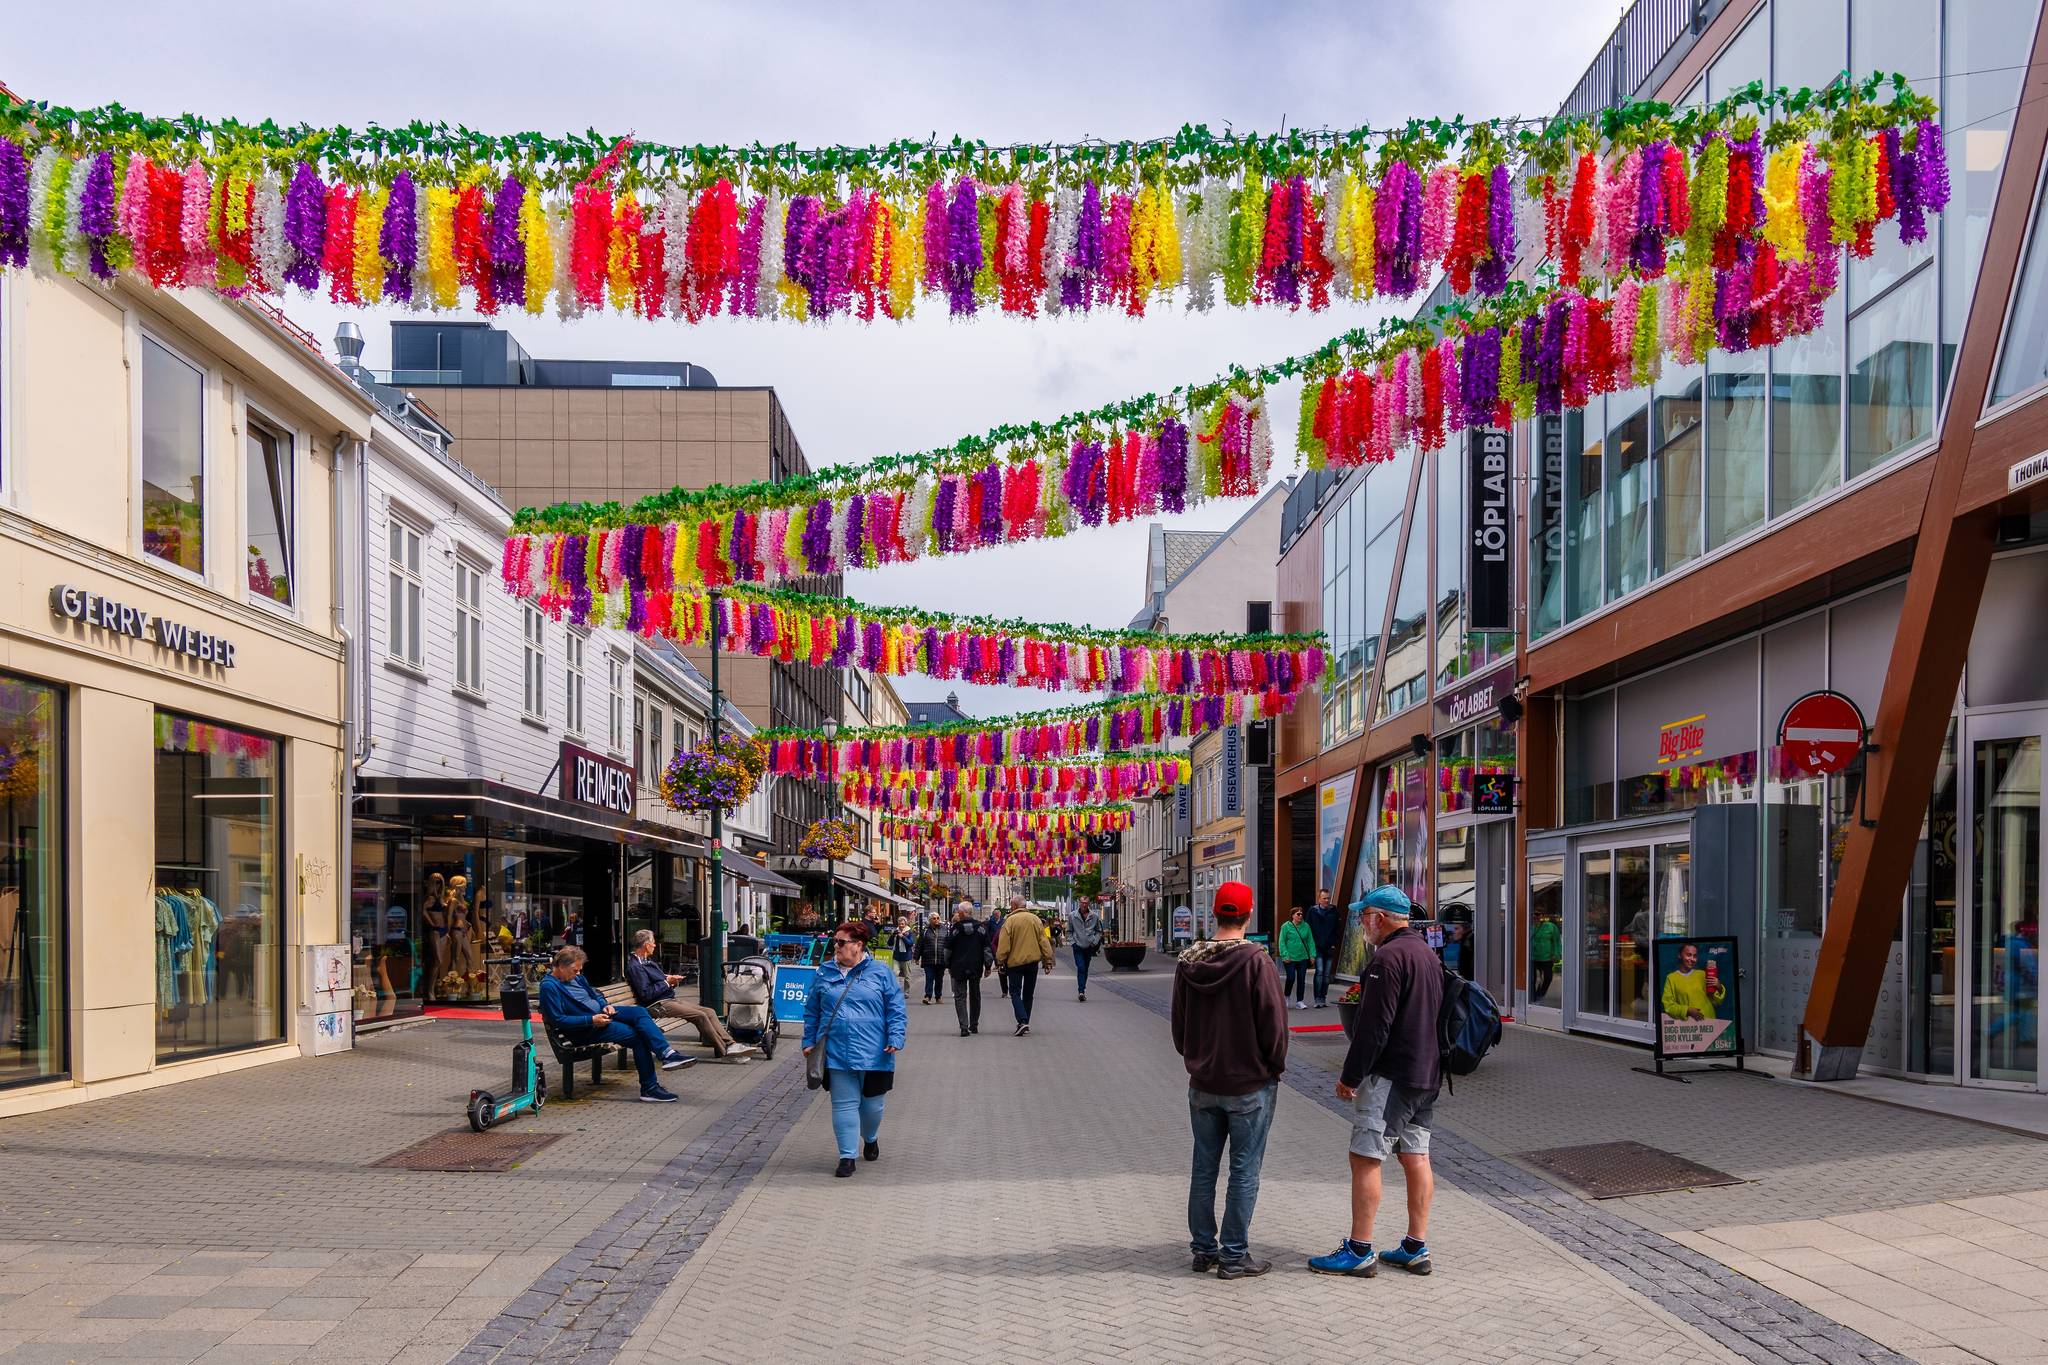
(483, 1111)
(540, 1087)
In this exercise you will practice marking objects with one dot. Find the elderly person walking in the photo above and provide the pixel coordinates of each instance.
(1084, 934)
(1021, 950)
(931, 955)
(856, 1011)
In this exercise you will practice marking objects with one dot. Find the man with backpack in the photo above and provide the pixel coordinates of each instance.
(1391, 1076)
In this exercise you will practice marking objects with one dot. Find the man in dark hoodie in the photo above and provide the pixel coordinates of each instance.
(1230, 1026)
(1326, 924)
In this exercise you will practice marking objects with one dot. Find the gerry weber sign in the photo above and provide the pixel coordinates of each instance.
(591, 779)
(89, 608)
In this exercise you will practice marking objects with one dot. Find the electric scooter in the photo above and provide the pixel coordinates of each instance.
(529, 1077)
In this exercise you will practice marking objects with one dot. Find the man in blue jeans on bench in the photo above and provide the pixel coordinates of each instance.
(576, 1007)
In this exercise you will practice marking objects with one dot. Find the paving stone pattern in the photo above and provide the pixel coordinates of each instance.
(1754, 1322)
(1030, 1205)
(586, 1305)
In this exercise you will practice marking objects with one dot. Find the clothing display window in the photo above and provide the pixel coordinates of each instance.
(32, 968)
(217, 913)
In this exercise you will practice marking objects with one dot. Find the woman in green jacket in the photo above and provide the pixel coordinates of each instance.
(1297, 955)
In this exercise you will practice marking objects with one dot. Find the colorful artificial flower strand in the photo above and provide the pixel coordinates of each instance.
(433, 218)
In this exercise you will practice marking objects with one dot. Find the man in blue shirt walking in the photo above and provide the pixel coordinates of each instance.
(576, 1007)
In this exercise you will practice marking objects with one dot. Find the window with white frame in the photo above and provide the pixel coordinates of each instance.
(469, 627)
(572, 706)
(654, 731)
(640, 737)
(675, 736)
(271, 476)
(616, 701)
(536, 663)
(173, 458)
(407, 596)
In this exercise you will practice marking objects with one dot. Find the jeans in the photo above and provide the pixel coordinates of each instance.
(1325, 964)
(631, 1026)
(1297, 979)
(1243, 1120)
(934, 983)
(1023, 983)
(856, 1118)
(967, 1000)
(1081, 956)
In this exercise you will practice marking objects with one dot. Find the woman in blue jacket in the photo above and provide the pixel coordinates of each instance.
(858, 1006)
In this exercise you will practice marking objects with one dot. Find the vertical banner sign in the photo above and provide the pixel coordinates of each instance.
(1183, 809)
(1233, 771)
(1489, 577)
(1549, 502)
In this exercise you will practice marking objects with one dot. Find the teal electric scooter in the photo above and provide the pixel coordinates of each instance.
(529, 1077)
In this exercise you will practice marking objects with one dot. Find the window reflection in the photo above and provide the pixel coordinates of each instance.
(1806, 415)
(1737, 410)
(1678, 439)
(1891, 383)
(1628, 493)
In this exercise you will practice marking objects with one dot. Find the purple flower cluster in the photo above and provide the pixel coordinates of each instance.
(13, 205)
(817, 537)
(1479, 381)
(305, 227)
(1077, 283)
(1086, 483)
(398, 238)
(508, 253)
(963, 248)
(1397, 221)
(1173, 465)
(1491, 274)
(96, 212)
(746, 286)
(945, 504)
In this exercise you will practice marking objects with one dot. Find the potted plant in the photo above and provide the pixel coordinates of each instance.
(1125, 954)
(1347, 1008)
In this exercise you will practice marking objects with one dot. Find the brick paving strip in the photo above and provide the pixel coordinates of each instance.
(1754, 1322)
(586, 1305)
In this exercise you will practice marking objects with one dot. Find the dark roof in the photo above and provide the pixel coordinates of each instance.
(934, 712)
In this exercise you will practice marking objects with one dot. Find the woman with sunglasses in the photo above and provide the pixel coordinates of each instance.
(858, 1007)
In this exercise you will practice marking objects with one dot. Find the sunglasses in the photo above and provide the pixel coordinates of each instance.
(846, 943)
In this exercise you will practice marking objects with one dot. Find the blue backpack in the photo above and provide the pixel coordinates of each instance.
(1467, 1026)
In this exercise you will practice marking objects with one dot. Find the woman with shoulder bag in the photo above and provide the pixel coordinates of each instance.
(1297, 955)
(855, 1021)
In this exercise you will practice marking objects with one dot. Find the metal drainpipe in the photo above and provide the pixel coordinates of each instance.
(350, 666)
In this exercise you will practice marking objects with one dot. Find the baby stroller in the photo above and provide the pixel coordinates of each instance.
(750, 1003)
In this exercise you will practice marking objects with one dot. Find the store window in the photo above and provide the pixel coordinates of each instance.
(406, 597)
(219, 946)
(173, 458)
(655, 758)
(1546, 932)
(1737, 416)
(536, 670)
(1584, 463)
(1676, 434)
(32, 940)
(1546, 528)
(469, 627)
(1404, 680)
(1978, 97)
(1464, 758)
(2023, 361)
(572, 703)
(271, 478)
(1628, 492)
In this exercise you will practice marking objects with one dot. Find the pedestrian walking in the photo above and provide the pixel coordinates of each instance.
(1326, 922)
(903, 948)
(1022, 949)
(931, 955)
(993, 927)
(968, 958)
(1390, 1078)
(858, 1008)
(1297, 955)
(1084, 934)
(1230, 1028)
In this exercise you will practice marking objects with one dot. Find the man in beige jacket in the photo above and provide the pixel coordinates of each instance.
(1021, 949)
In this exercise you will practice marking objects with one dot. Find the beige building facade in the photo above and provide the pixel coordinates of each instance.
(172, 747)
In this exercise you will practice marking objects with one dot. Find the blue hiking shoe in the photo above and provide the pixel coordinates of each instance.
(1350, 1258)
(1415, 1262)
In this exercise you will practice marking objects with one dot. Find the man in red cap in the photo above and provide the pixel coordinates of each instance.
(1230, 1027)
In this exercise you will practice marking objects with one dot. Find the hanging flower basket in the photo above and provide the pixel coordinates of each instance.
(717, 776)
(827, 840)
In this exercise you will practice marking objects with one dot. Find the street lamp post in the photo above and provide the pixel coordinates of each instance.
(834, 899)
(711, 962)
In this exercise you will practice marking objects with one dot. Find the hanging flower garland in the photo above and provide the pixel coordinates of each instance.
(1078, 820)
(717, 776)
(879, 796)
(437, 218)
(901, 641)
(1144, 458)
(1032, 736)
(827, 840)
(1115, 777)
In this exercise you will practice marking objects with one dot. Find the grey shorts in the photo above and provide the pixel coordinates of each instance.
(1387, 1118)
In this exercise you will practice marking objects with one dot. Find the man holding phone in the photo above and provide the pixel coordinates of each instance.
(573, 1005)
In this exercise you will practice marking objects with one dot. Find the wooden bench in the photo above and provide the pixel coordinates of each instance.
(569, 1052)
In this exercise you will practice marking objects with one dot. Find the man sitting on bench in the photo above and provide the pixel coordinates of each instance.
(655, 989)
(573, 1005)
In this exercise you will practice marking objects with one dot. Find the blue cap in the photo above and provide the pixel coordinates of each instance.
(1388, 900)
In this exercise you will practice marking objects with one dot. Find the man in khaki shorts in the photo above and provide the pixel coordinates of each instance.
(1391, 1075)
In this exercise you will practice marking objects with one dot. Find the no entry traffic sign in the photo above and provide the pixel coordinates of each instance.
(1821, 734)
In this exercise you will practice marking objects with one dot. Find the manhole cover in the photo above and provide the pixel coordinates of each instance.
(1615, 1170)
(458, 1149)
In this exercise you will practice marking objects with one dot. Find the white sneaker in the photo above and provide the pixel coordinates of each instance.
(739, 1052)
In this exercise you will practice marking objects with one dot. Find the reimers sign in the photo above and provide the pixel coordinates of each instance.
(591, 779)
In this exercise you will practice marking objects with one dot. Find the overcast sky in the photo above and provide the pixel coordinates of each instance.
(857, 73)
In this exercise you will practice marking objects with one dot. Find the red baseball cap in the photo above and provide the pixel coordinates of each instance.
(1234, 900)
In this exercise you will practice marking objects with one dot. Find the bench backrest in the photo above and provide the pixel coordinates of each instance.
(618, 993)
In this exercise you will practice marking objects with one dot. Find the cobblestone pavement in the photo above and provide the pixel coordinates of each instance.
(1030, 1205)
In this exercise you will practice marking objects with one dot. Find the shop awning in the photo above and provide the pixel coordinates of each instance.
(761, 876)
(860, 886)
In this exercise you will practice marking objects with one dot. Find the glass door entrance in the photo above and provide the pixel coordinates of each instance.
(1628, 894)
(2001, 944)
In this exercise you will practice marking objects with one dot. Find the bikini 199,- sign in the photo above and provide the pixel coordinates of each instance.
(104, 613)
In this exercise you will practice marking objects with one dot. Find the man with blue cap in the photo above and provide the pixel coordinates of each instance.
(1390, 1078)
